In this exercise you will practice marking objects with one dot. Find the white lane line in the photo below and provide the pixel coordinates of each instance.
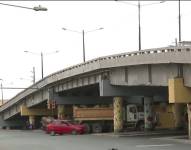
(159, 145)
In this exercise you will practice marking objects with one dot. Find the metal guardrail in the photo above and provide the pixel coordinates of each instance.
(44, 82)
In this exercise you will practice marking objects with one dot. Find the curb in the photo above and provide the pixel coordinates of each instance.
(139, 134)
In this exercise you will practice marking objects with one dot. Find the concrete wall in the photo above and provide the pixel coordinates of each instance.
(161, 73)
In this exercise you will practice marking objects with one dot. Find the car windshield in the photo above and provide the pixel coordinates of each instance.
(56, 122)
(67, 122)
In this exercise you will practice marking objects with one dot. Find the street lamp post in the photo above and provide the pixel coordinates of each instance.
(42, 60)
(139, 16)
(33, 76)
(1, 91)
(83, 38)
(42, 66)
(36, 8)
(179, 21)
(84, 54)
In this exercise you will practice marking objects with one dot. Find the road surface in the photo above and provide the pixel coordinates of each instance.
(37, 140)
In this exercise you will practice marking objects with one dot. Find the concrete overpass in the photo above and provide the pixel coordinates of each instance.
(134, 75)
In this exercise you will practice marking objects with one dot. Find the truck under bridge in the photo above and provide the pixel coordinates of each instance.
(135, 76)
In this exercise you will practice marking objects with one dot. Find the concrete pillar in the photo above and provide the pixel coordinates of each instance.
(148, 114)
(118, 114)
(178, 115)
(32, 121)
(189, 120)
(61, 112)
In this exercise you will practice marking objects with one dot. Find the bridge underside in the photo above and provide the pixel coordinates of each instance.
(14, 122)
(104, 93)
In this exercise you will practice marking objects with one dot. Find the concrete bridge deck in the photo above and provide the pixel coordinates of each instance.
(146, 68)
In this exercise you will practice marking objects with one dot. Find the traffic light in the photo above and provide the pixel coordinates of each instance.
(53, 104)
(49, 104)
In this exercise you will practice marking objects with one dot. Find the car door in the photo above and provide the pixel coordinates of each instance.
(58, 127)
(69, 127)
(65, 127)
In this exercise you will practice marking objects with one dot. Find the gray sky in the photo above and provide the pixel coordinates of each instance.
(23, 29)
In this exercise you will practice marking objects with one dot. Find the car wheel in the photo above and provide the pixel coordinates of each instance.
(52, 133)
(97, 128)
(87, 127)
(141, 126)
(74, 132)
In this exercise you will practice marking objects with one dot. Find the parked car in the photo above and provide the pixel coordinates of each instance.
(64, 127)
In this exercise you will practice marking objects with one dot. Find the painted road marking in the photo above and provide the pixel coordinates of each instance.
(159, 145)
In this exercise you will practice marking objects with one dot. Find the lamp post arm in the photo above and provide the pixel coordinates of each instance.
(32, 52)
(127, 3)
(49, 53)
(94, 30)
(153, 3)
(66, 29)
(16, 6)
(37, 8)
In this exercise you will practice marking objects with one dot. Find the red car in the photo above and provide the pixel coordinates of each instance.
(64, 127)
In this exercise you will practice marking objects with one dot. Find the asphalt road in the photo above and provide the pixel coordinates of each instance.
(37, 140)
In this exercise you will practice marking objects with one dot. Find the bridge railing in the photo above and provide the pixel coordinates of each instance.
(88, 66)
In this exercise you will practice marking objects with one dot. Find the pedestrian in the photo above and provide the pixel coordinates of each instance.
(30, 126)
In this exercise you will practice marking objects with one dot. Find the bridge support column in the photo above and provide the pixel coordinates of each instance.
(178, 93)
(32, 121)
(118, 114)
(178, 115)
(189, 120)
(148, 116)
(61, 112)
